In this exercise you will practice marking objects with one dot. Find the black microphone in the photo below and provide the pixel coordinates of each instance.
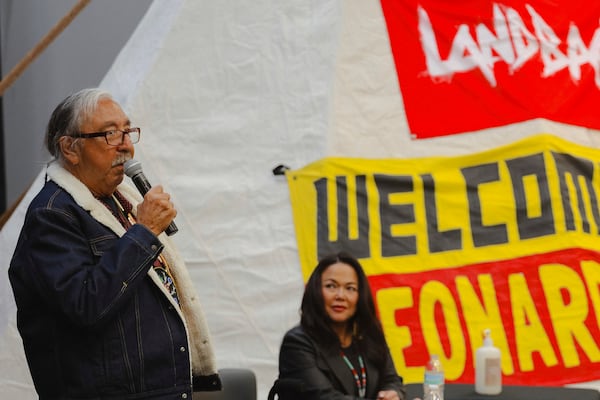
(133, 169)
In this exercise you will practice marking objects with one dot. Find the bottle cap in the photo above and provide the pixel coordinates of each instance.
(487, 337)
(434, 363)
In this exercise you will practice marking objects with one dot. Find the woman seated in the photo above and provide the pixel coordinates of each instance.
(338, 351)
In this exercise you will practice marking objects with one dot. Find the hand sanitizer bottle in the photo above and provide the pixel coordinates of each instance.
(488, 370)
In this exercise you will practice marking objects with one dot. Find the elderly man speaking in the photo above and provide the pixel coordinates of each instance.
(105, 305)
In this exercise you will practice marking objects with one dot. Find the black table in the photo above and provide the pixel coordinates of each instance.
(456, 391)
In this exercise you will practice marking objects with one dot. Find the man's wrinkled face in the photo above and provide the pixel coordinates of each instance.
(96, 163)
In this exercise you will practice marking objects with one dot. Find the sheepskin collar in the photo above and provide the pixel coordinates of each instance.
(189, 308)
(86, 200)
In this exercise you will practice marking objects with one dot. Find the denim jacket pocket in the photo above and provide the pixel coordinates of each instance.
(101, 244)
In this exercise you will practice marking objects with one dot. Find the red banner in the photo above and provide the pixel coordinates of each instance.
(474, 64)
(542, 324)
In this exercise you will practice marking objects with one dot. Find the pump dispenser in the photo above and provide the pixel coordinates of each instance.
(488, 370)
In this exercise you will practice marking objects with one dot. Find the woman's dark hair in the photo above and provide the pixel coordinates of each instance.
(368, 333)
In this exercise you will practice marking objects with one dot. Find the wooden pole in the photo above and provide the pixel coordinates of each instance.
(37, 50)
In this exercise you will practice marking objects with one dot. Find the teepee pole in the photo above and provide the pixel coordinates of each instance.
(37, 50)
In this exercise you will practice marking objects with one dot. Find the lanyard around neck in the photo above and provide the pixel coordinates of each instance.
(122, 211)
(361, 381)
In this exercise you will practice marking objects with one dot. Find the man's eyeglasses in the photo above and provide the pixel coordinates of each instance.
(114, 137)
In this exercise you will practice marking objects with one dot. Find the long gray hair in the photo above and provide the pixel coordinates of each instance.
(69, 115)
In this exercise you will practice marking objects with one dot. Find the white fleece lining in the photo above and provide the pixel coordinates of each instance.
(199, 342)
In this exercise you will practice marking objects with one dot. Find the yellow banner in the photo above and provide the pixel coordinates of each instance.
(453, 245)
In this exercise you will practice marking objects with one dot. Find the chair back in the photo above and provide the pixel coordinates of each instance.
(238, 384)
(290, 389)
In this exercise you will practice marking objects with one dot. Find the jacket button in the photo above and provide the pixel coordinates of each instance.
(153, 247)
(182, 349)
(184, 396)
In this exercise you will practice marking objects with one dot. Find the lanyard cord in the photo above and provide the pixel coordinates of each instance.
(123, 213)
(361, 382)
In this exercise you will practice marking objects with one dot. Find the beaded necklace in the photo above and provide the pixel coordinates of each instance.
(361, 382)
(123, 212)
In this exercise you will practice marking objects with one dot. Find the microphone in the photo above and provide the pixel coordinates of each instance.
(133, 169)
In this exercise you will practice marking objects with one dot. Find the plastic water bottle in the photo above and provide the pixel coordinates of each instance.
(433, 383)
